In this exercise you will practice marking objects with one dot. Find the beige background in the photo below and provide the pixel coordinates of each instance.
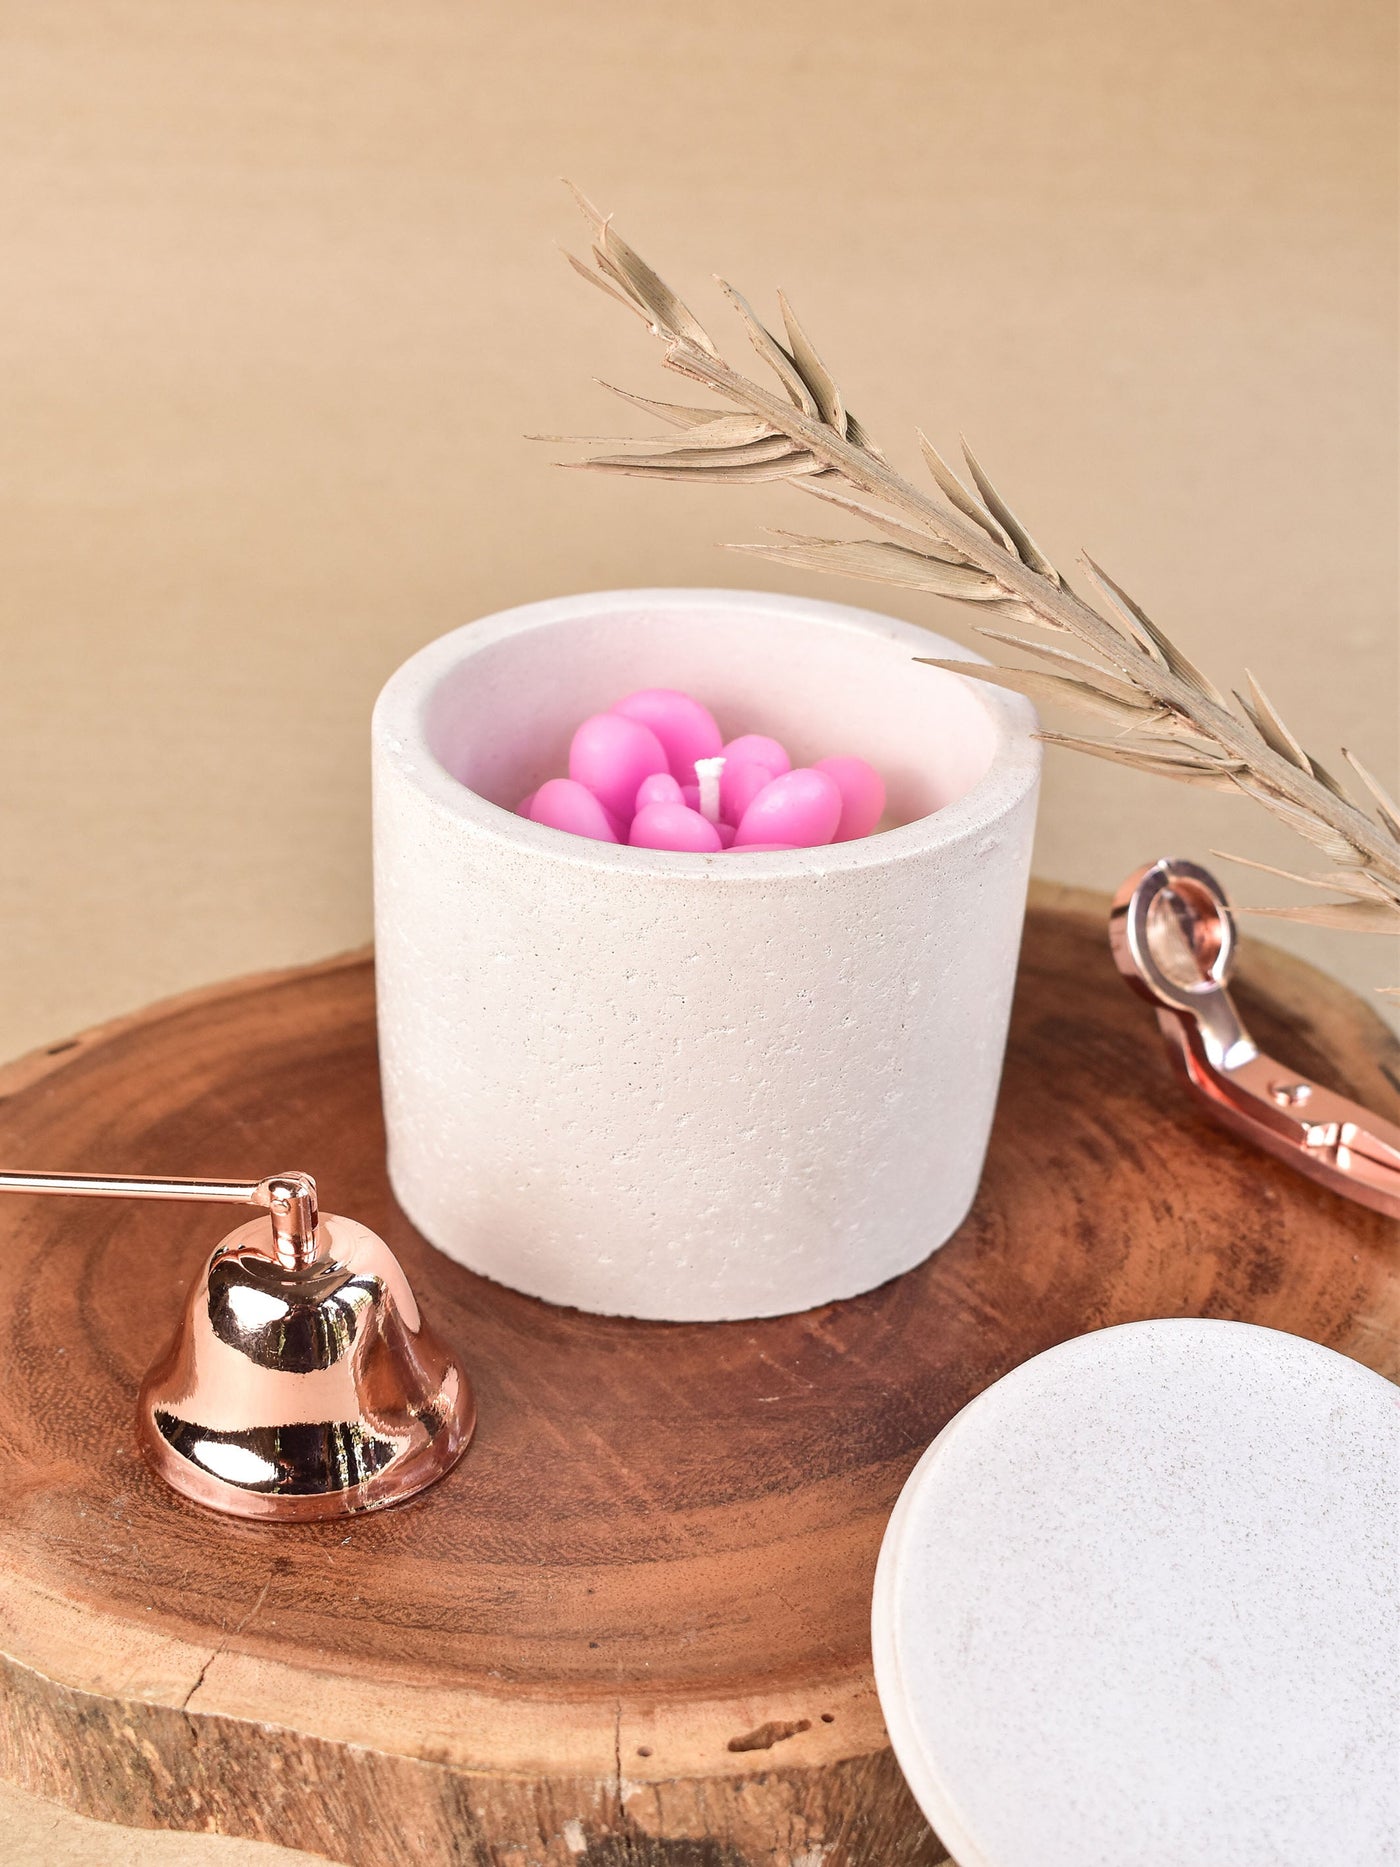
(282, 298)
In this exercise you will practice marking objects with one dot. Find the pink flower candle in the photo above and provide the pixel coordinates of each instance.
(655, 771)
(682, 1085)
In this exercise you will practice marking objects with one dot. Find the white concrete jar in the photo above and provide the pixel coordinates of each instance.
(678, 1086)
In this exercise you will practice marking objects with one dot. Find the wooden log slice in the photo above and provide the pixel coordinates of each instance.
(631, 1629)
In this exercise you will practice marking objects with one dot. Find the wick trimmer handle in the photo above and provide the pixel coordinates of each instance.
(1173, 937)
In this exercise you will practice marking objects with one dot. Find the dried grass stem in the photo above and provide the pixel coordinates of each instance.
(966, 543)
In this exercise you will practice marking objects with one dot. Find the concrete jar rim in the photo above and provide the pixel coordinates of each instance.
(403, 735)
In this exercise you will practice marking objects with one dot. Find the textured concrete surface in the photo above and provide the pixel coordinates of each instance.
(1140, 1602)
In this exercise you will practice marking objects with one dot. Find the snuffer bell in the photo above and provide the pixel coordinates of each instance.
(301, 1381)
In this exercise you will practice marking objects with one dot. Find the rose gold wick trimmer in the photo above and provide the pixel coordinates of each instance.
(301, 1380)
(1173, 937)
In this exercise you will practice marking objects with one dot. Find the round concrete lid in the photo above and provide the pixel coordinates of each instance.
(1139, 1603)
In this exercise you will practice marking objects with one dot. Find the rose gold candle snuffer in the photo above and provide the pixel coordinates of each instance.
(1173, 937)
(301, 1380)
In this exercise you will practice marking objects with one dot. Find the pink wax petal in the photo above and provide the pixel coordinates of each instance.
(740, 783)
(862, 795)
(758, 849)
(759, 749)
(686, 729)
(799, 807)
(564, 804)
(750, 761)
(672, 826)
(522, 809)
(726, 833)
(612, 755)
(660, 788)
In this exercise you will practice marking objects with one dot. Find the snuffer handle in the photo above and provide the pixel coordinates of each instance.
(1173, 938)
(290, 1199)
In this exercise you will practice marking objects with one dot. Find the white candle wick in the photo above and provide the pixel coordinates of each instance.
(708, 772)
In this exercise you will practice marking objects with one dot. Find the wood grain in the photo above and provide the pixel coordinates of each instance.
(631, 1629)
